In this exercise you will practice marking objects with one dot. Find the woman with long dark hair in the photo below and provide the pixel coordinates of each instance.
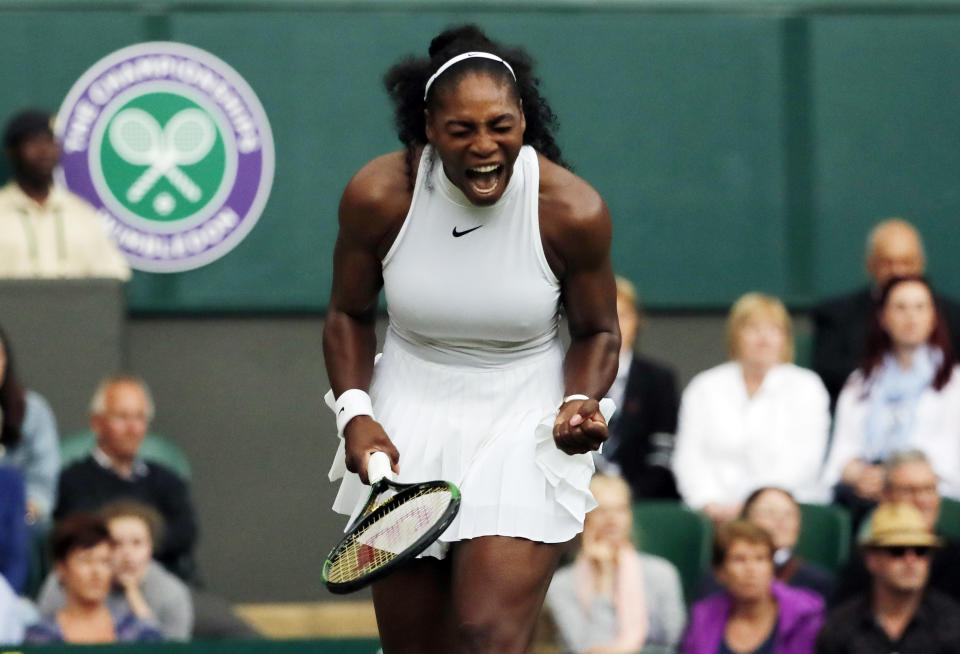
(28, 440)
(478, 235)
(904, 396)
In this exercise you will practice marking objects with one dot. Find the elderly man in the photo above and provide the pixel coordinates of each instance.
(45, 230)
(840, 325)
(898, 613)
(120, 412)
(643, 428)
(908, 477)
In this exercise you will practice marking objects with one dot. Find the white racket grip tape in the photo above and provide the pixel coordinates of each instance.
(378, 467)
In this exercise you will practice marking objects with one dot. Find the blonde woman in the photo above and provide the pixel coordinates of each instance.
(756, 420)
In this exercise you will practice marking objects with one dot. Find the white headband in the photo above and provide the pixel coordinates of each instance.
(458, 59)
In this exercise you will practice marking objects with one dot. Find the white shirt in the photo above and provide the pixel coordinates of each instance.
(11, 616)
(936, 431)
(63, 237)
(729, 444)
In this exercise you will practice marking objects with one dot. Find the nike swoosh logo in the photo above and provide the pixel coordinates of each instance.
(457, 234)
(341, 410)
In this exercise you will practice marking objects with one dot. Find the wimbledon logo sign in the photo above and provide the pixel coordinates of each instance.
(174, 150)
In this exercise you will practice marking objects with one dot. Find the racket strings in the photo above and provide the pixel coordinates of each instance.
(396, 525)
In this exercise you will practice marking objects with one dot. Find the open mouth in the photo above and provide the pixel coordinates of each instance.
(484, 180)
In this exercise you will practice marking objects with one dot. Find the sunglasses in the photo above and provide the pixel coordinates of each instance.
(899, 551)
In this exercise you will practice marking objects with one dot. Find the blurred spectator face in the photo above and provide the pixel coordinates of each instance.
(908, 315)
(778, 515)
(747, 570)
(761, 342)
(121, 427)
(612, 520)
(915, 482)
(36, 156)
(897, 252)
(85, 573)
(133, 546)
(901, 569)
(629, 321)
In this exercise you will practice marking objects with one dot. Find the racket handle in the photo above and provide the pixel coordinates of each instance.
(378, 467)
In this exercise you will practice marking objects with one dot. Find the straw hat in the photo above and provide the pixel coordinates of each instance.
(894, 524)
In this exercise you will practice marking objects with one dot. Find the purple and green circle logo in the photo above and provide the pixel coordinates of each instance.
(173, 148)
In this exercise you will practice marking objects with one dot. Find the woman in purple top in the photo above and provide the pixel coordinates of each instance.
(754, 614)
(82, 550)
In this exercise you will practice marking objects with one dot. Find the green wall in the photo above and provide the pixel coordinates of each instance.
(740, 146)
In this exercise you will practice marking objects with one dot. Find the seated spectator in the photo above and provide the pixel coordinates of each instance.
(905, 395)
(121, 410)
(140, 585)
(841, 325)
(14, 555)
(45, 230)
(909, 477)
(643, 429)
(82, 552)
(757, 420)
(899, 613)
(11, 622)
(776, 511)
(614, 599)
(755, 613)
(29, 439)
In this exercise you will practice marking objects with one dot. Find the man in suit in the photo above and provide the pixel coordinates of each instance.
(840, 325)
(643, 428)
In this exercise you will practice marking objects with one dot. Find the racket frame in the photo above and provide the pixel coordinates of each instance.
(373, 511)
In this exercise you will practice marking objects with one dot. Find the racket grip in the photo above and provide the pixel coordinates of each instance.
(378, 467)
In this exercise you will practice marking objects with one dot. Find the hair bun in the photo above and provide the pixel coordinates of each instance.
(466, 34)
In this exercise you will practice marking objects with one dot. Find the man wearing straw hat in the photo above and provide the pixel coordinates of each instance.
(899, 614)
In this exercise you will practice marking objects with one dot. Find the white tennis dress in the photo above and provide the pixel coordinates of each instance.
(470, 379)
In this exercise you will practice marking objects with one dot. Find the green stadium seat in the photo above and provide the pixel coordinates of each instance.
(949, 523)
(824, 535)
(674, 532)
(155, 448)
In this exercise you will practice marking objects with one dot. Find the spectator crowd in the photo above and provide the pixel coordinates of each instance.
(872, 429)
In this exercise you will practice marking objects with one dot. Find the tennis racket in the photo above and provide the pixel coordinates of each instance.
(398, 522)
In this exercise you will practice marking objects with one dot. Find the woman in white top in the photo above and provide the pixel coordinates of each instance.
(754, 421)
(477, 237)
(905, 395)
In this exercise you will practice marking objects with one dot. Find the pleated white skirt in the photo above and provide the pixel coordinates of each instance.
(488, 430)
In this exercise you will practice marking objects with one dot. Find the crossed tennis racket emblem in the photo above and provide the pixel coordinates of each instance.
(186, 139)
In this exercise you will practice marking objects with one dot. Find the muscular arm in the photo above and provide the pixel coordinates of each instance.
(577, 230)
(371, 212)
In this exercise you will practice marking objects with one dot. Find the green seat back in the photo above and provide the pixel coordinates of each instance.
(824, 535)
(949, 523)
(155, 448)
(674, 532)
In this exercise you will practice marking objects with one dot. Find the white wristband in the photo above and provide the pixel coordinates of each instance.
(350, 404)
(576, 396)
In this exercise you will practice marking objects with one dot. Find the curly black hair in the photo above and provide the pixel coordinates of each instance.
(405, 83)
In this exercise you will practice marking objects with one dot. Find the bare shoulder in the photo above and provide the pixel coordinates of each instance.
(377, 198)
(574, 219)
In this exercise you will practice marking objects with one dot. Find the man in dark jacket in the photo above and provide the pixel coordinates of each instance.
(120, 412)
(898, 613)
(642, 430)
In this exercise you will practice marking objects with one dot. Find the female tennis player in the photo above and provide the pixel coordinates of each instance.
(479, 236)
